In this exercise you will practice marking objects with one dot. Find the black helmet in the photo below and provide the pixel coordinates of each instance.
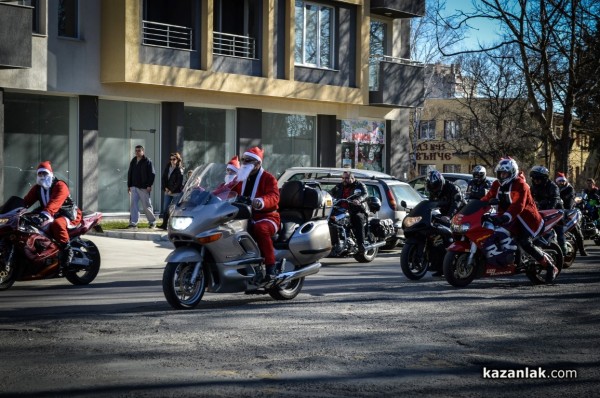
(435, 181)
(539, 173)
(479, 173)
(374, 204)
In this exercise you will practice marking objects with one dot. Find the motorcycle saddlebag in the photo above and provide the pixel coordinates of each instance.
(303, 201)
(382, 228)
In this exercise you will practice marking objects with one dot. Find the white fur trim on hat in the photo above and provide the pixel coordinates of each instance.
(561, 179)
(253, 155)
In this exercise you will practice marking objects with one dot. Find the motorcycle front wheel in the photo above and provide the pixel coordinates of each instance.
(413, 264)
(457, 270)
(88, 274)
(8, 272)
(570, 255)
(179, 290)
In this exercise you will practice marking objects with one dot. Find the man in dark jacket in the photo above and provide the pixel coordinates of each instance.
(357, 207)
(547, 196)
(567, 194)
(140, 179)
(479, 185)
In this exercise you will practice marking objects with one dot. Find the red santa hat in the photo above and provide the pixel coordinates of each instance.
(45, 166)
(256, 153)
(234, 164)
(560, 177)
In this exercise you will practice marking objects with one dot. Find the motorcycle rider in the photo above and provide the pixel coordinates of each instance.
(230, 179)
(260, 186)
(57, 209)
(357, 207)
(546, 194)
(567, 194)
(517, 211)
(479, 185)
(450, 196)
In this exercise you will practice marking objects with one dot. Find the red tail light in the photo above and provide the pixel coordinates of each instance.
(391, 199)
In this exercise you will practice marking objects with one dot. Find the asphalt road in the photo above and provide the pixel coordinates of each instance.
(359, 330)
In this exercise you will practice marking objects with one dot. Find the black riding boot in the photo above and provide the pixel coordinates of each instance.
(579, 242)
(64, 257)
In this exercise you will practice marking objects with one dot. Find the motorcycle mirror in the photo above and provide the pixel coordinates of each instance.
(403, 203)
(357, 192)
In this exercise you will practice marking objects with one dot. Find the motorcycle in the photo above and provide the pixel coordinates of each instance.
(28, 252)
(481, 249)
(589, 227)
(377, 231)
(427, 236)
(215, 253)
(571, 218)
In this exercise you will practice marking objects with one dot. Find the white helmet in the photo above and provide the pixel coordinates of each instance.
(506, 165)
(479, 173)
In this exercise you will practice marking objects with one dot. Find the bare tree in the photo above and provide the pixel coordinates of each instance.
(548, 37)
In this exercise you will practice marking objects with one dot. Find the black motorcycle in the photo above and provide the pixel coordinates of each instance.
(589, 218)
(376, 231)
(427, 236)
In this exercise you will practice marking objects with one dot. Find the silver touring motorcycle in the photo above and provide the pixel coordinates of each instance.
(215, 253)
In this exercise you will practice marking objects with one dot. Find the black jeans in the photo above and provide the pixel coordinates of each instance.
(358, 220)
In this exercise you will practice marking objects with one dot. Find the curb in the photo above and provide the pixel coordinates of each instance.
(134, 235)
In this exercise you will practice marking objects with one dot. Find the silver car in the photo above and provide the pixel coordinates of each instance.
(385, 187)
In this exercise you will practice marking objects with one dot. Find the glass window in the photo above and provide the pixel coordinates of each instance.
(377, 48)
(288, 140)
(425, 168)
(208, 136)
(314, 35)
(37, 128)
(427, 130)
(451, 168)
(451, 129)
(68, 18)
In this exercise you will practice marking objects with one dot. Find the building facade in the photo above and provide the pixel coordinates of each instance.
(82, 83)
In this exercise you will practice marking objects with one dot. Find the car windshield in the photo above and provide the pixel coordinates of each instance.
(406, 193)
(206, 186)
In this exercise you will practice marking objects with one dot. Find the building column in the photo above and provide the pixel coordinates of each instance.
(327, 127)
(248, 129)
(1, 145)
(172, 134)
(88, 153)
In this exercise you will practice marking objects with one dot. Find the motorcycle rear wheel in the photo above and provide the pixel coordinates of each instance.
(570, 255)
(412, 268)
(537, 273)
(88, 274)
(178, 291)
(287, 291)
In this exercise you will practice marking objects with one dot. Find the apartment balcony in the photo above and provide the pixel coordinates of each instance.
(15, 36)
(398, 8)
(396, 82)
(235, 54)
(166, 35)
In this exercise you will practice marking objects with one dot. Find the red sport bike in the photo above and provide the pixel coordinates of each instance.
(481, 249)
(28, 253)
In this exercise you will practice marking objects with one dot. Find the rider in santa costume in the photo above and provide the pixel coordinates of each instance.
(260, 186)
(57, 208)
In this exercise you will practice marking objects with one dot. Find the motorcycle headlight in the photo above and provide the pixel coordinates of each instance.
(410, 221)
(460, 228)
(181, 223)
(3, 221)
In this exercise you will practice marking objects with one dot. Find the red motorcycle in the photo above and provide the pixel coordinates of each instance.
(481, 249)
(28, 253)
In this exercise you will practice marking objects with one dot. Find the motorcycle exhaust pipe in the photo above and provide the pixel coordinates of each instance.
(374, 245)
(297, 274)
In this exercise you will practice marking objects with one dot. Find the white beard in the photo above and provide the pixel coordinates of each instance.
(244, 172)
(45, 182)
(229, 178)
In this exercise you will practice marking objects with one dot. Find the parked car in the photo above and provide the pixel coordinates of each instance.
(460, 179)
(385, 187)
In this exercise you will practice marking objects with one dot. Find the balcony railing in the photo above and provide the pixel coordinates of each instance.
(165, 35)
(234, 45)
(395, 82)
(374, 70)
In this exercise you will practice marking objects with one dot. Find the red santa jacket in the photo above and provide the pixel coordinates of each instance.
(50, 200)
(517, 202)
(265, 189)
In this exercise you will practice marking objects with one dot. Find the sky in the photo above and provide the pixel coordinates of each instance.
(485, 32)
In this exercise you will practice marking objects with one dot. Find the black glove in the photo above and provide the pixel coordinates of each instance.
(501, 220)
(39, 219)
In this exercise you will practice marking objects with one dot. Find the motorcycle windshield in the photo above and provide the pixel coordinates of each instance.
(473, 206)
(206, 186)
